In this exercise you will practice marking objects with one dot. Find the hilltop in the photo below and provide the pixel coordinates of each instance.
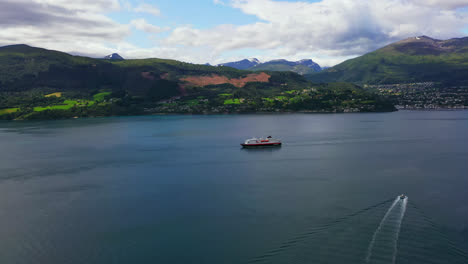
(416, 59)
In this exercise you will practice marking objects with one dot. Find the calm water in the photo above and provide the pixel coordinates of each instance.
(179, 189)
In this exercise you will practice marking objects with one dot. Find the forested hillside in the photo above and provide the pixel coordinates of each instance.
(419, 59)
(39, 83)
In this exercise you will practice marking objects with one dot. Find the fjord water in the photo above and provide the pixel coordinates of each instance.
(179, 189)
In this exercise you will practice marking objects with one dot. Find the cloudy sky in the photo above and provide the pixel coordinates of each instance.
(215, 31)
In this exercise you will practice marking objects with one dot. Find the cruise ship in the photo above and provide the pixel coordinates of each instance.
(261, 142)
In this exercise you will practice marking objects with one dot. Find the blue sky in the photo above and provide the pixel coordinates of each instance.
(215, 31)
(202, 14)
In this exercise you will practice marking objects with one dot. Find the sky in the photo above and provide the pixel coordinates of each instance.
(217, 31)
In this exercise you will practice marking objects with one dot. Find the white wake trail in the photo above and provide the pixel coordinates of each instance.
(377, 231)
(400, 220)
(394, 224)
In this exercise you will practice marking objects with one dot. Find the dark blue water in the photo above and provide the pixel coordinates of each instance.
(179, 189)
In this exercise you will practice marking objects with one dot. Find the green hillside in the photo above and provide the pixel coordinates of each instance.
(420, 59)
(26, 68)
(43, 84)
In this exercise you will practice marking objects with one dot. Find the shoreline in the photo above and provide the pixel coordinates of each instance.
(238, 113)
(207, 114)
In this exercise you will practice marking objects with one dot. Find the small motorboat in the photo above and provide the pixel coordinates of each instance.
(402, 196)
(261, 142)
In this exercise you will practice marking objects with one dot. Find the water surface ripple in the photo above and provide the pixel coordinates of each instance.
(179, 189)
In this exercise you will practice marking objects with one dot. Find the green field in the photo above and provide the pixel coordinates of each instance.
(52, 107)
(291, 92)
(67, 104)
(101, 96)
(232, 102)
(8, 111)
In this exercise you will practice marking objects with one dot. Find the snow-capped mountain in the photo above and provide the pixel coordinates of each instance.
(310, 63)
(254, 60)
(243, 64)
(302, 67)
(114, 56)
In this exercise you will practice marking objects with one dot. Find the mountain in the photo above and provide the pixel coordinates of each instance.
(242, 65)
(114, 56)
(416, 59)
(301, 67)
(25, 68)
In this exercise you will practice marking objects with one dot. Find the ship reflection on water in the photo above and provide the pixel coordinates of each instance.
(261, 149)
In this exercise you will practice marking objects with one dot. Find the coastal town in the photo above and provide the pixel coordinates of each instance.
(425, 95)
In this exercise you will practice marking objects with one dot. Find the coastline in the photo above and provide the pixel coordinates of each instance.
(238, 113)
(200, 114)
(234, 113)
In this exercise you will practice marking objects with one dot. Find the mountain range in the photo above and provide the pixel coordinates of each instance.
(302, 67)
(41, 83)
(416, 59)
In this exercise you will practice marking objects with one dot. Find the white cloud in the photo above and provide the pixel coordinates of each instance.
(447, 4)
(339, 28)
(328, 32)
(219, 2)
(186, 54)
(76, 27)
(82, 28)
(141, 24)
(147, 8)
(81, 5)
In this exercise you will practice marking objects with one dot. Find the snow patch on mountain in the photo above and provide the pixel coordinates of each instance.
(114, 56)
(243, 64)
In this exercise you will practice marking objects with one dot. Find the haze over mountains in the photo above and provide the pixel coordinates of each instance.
(301, 67)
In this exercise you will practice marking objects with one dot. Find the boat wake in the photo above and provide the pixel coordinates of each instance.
(375, 234)
(385, 238)
(302, 239)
